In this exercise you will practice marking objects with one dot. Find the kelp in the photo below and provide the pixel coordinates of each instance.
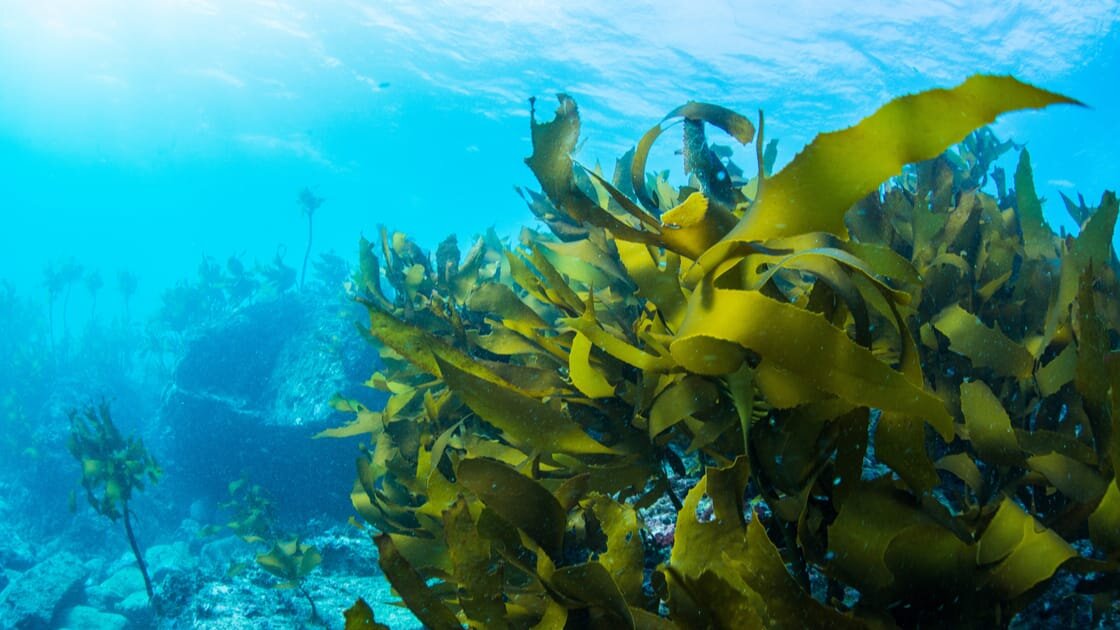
(252, 513)
(291, 561)
(114, 466)
(905, 388)
(252, 518)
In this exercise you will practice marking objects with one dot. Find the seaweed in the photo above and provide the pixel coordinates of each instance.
(360, 617)
(904, 388)
(308, 203)
(127, 283)
(291, 561)
(253, 520)
(218, 290)
(59, 278)
(113, 468)
(252, 513)
(93, 284)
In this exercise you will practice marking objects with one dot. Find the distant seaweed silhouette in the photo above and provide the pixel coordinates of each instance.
(309, 203)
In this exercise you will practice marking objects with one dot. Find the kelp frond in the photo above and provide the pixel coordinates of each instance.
(905, 387)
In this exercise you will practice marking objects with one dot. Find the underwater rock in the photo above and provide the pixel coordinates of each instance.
(15, 553)
(123, 591)
(117, 587)
(32, 600)
(346, 550)
(175, 595)
(218, 605)
(135, 607)
(336, 593)
(228, 590)
(250, 392)
(164, 559)
(216, 555)
(87, 618)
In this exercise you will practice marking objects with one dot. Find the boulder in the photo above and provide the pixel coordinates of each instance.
(87, 618)
(251, 391)
(135, 605)
(35, 598)
(346, 550)
(15, 553)
(164, 559)
(217, 555)
(240, 604)
(117, 587)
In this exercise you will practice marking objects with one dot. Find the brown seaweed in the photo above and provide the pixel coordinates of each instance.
(907, 387)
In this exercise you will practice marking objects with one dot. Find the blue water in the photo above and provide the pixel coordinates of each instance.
(148, 137)
(144, 136)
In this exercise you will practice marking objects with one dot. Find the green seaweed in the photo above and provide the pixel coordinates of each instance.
(252, 513)
(308, 203)
(360, 617)
(291, 561)
(252, 518)
(903, 386)
(113, 468)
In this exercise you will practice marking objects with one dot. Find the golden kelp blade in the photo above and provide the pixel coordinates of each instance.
(989, 427)
(521, 501)
(419, 598)
(699, 546)
(1037, 237)
(551, 162)
(624, 555)
(524, 420)
(1104, 524)
(692, 227)
(837, 169)
(360, 617)
(787, 605)
(471, 558)
(1028, 553)
(723, 323)
(983, 345)
(585, 376)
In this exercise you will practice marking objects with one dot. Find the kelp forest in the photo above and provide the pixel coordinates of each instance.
(872, 389)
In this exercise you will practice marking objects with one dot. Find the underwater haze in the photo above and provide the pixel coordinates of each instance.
(510, 314)
(147, 136)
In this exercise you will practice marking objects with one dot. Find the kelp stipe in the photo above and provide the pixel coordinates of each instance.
(113, 468)
(308, 204)
(854, 357)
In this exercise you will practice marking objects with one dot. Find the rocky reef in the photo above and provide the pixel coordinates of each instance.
(250, 391)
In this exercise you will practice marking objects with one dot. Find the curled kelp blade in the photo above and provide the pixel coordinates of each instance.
(694, 225)
(814, 191)
(360, 617)
(723, 325)
(736, 125)
(411, 586)
(726, 572)
(551, 162)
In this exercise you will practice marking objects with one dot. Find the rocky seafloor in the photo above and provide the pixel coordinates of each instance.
(245, 394)
(199, 582)
(252, 416)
